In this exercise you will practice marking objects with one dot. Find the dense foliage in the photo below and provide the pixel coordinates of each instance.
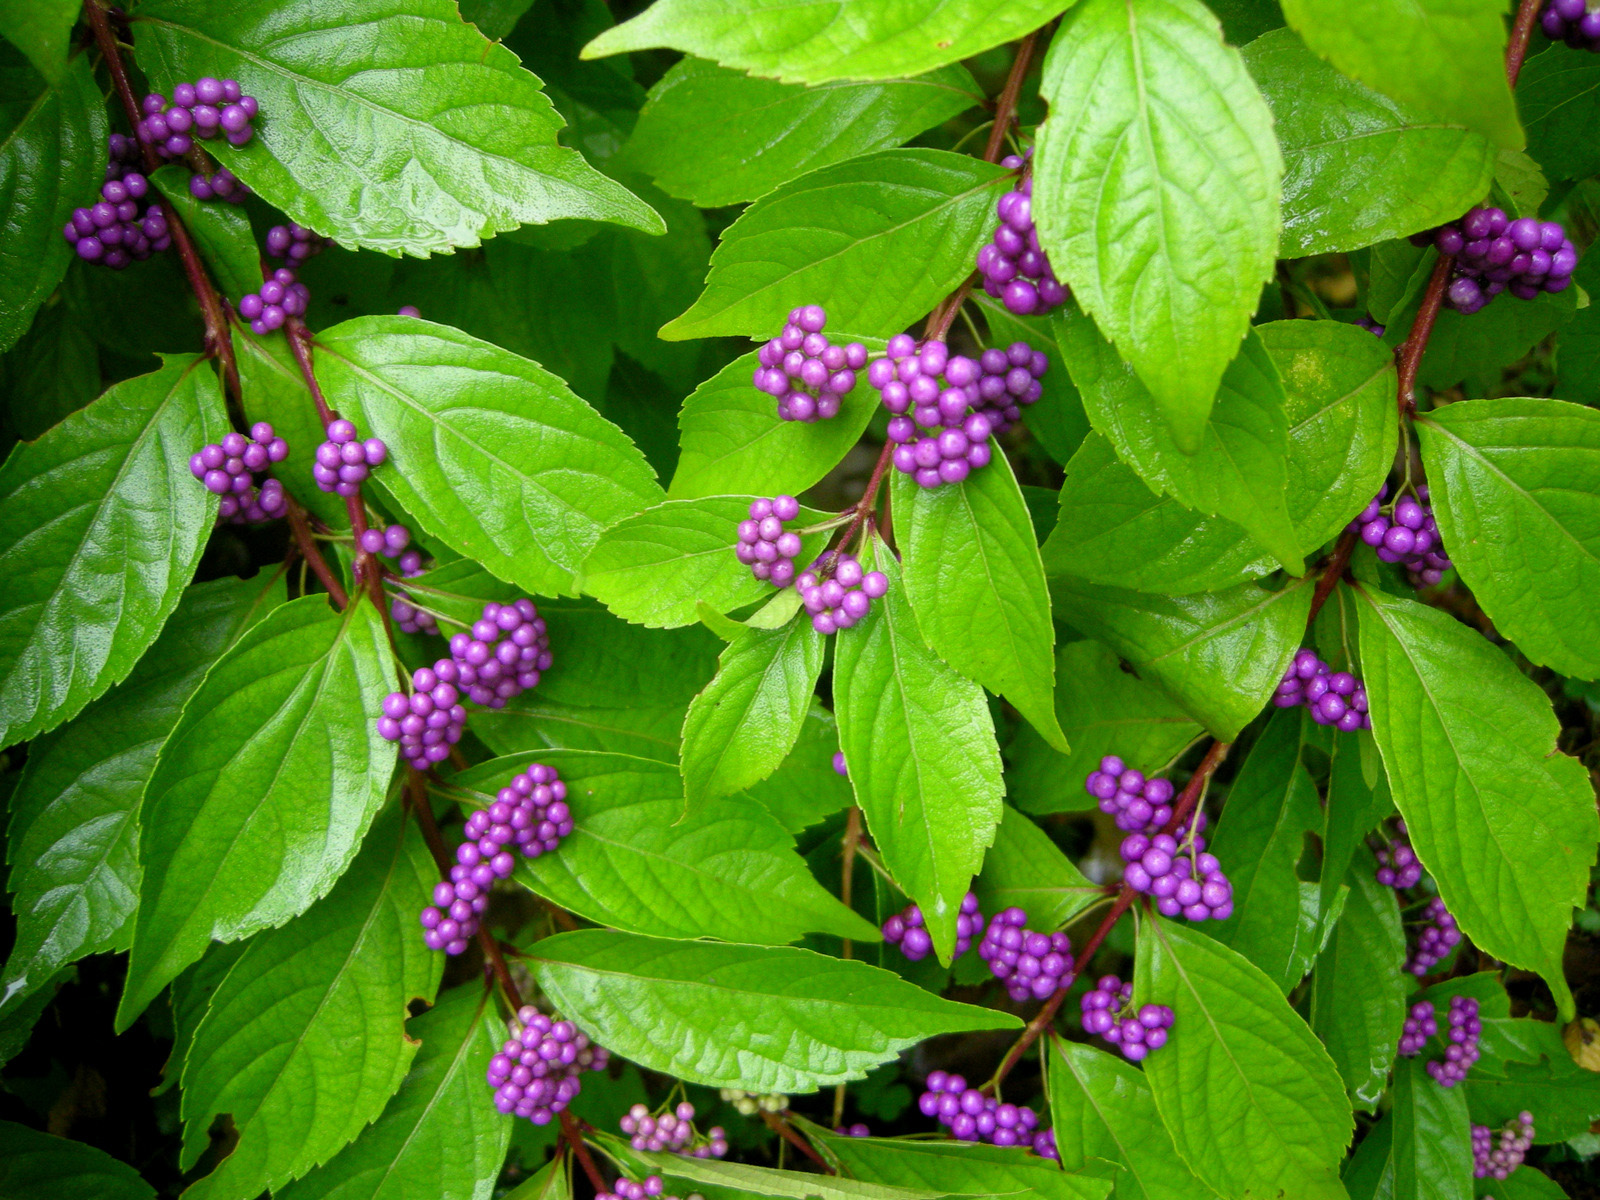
(860, 599)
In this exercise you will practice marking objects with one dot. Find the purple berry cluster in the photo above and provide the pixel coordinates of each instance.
(1439, 936)
(504, 654)
(294, 242)
(1106, 1012)
(120, 227)
(1008, 381)
(536, 1073)
(764, 545)
(1398, 866)
(429, 720)
(409, 310)
(807, 373)
(939, 436)
(840, 601)
(672, 1131)
(1407, 535)
(344, 461)
(1044, 1144)
(1032, 965)
(652, 1188)
(1013, 265)
(228, 469)
(906, 930)
(1139, 805)
(202, 109)
(221, 184)
(1492, 1161)
(973, 1117)
(1371, 326)
(1182, 877)
(1461, 1042)
(1572, 22)
(531, 813)
(1421, 1024)
(1334, 697)
(1495, 254)
(280, 297)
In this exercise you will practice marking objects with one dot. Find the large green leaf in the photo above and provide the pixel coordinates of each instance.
(1218, 654)
(41, 1166)
(745, 723)
(1238, 467)
(1359, 167)
(1422, 1150)
(1104, 710)
(655, 568)
(1516, 488)
(972, 562)
(1526, 1067)
(920, 745)
(430, 137)
(697, 130)
(1157, 198)
(806, 789)
(48, 375)
(221, 232)
(1464, 349)
(275, 1050)
(1358, 995)
(264, 789)
(1101, 1107)
(73, 838)
(1504, 823)
(42, 30)
(1026, 869)
(1253, 1103)
(959, 1169)
(734, 441)
(438, 1139)
(1273, 804)
(489, 452)
(636, 862)
(101, 526)
(916, 216)
(740, 1181)
(1442, 58)
(1559, 95)
(766, 1019)
(813, 42)
(273, 390)
(52, 147)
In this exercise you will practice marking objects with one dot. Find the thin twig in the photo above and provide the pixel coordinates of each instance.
(852, 838)
(1005, 108)
(1331, 573)
(786, 1131)
(1521, 31)
(312, 554)
(1410, 352)
(573, 1134)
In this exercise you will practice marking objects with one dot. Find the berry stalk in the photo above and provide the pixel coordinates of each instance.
(1521, 32)
(306, 543)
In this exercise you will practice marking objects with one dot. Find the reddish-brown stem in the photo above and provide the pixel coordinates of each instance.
(1410, 352)
(573, 1134)
(1187, 799)
(1006, 107)
(312, 553)
(219, 341)
(852, 838)
(786, 1131)
(1521, 31)
(1332, 571)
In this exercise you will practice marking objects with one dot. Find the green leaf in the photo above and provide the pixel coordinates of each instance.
(766, 1019)
(734, 441)
(1516, 486)
(746, 721)
(1101, 1107)
(1104, 710)
(550, 1182)
(1273, 804)
(806, 789)
(1423, 1147)
(1358, 995)
(431, 137)
(1025, 868)
(1399, 273)
(1464, 349)
(1155, 120)
(191, 994)
(1441, 58)
(52, 147)
(972, 561)
(1218, 654)
(1520, 182)
(696, 131)
(264, 789)
(1527, 1068)
(42, 29)
(531, 723)
(1359, 167)
(1559, 94)
(273, 390)
(1237, 467)
(488, 452)
(919, 742)
(221, 231)
(1354, 805)
(101, 526)
(73, 838)
(48, 375)
(737, 1181)
(653, 279)
(274, 1049)
(1531, 1184)
(808, 42)
(437, 1138)
(1249, 1095)
(41, 1166)
(636, 862)
(1503, 822)
(916, 216)
(959, 1169)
